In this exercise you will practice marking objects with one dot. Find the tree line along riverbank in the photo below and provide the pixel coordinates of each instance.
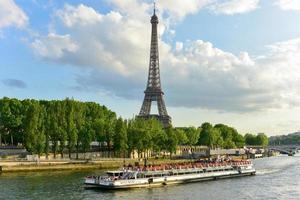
(59, 126)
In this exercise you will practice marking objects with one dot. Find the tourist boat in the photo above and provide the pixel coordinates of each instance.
(135, 177)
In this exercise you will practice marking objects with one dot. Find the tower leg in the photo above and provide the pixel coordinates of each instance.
(161, 106)
(146, 107)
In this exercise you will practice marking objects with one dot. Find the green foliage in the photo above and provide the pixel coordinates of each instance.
(171, 141)
(57, 126)
(238, 140)
(61, 125)
(182, 136)
(206, 135)
(98, 126)
(34, 139)
(120, 136)
(71, 131)
(11, 117)
(138, 135)
(220, 136)
(256, 140)
(144, 135)
(290, 139)
(192, 135)
(250, 139)
(262, 139)
(85, 136)
(109, 128)
(231, 138)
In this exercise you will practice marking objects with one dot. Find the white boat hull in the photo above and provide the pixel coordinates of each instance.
(166, 180)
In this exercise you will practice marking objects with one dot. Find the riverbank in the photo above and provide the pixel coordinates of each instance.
(44, 165)
(13, 166)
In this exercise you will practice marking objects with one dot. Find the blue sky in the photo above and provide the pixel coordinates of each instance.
(223, 61)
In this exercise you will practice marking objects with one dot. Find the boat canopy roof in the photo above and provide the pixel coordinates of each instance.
(154, 172)
(115, 172)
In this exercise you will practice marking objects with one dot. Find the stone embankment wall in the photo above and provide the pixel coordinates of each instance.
(4, 152)
(58, 165)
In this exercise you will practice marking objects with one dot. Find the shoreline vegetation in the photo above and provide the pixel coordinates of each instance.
(290, 139)
(67, 128)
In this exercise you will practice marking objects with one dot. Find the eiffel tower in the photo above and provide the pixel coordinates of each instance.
(153, 90)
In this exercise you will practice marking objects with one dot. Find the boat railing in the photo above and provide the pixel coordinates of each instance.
(180, 166)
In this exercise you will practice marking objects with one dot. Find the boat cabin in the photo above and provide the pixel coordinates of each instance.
(114, 173)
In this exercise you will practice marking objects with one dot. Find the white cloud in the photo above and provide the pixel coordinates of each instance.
(231, 7)
(175, 11)
(178, 9)
(81, 14)
(288, 4)
(109, 41)
(179, 46)
(208, 77)
(11, 15)
(113, 50)
(54, 46)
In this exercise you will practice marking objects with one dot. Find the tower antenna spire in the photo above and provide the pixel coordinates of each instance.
(154, 8)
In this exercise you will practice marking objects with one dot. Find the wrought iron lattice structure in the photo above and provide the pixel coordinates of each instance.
(153, 90)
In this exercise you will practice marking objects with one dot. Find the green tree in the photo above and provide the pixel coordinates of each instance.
(139, 135)
(72, 132)
(130, 137)
(239, 141)
(205, 134)
(99, 131)
(210, 136)
(227, 135)
(262, 139)
(79, 120)
(11, 119)
(159, 140)
(34, 128)
(120, 137)
(47, 124)
(250, 139)
(154, 142)
(171, 141)
(181, 136)
(109, 129)
(53, 127)
(192, 135)
(62, 126)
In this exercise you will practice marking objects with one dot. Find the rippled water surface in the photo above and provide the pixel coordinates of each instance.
(277, 178)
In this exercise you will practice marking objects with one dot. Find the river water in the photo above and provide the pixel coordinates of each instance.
(277, 178)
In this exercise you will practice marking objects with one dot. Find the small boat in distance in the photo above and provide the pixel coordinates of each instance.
(158, 175)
